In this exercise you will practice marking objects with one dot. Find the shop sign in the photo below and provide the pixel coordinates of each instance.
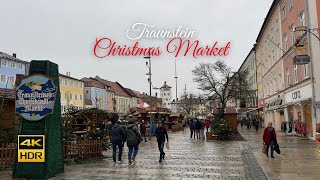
(35, 97)
(298, 94)
(301, 59)
(317, 104)
(276, 102)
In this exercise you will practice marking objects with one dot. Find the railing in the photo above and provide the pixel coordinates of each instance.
(83, 149)
(7, 155)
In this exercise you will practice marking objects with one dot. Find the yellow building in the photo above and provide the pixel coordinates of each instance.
(72, 93)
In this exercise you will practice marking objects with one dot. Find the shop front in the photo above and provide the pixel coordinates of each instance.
(274, 112)
(298, 110)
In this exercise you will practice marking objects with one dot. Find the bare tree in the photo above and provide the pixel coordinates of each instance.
(189, 103)
(218, 79)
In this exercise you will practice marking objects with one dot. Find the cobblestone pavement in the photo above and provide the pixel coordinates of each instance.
(195, 159)
(298, 159)
(186, 159)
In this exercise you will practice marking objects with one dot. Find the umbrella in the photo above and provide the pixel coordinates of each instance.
(143, 105)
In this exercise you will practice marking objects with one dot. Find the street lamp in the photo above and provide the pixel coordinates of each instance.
(149, 80)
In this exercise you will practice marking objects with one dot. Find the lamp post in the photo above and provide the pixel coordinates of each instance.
(149, 80)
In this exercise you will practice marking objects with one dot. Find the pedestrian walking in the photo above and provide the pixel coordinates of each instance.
(124, 128)
(133, 140)
(148, 132)
(143, 130)
(198, 128)
(207, 124)
(192, 132)
(202, 129)
(242, 121)
(162, 135)
(257, 125)
(270, 138)
(117, 135)
(108, 128)
(152, 129)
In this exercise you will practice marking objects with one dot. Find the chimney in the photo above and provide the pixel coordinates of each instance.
(14, 55)
(68, 74)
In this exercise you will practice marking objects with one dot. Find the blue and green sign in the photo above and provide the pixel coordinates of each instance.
(35, 97)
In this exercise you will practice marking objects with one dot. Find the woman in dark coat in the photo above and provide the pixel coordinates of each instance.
(270, 138)
(133, 140)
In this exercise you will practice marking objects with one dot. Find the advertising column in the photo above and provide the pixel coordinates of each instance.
(40, 150)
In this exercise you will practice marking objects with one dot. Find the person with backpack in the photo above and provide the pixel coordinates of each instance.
(133, 140)
(198, 128)
(118, 136)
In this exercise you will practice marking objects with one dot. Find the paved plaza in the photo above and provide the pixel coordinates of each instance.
(195, 159)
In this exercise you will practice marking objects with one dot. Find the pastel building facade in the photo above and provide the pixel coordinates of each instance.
(72, 93)
(10, 66)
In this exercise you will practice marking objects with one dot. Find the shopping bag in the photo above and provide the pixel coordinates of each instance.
(264, 149)
(167, 145)
(277, 148)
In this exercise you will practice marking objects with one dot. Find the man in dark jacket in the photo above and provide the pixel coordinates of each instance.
(192, 133)
(161, 134)
(117, 135)
(133, 140)
(143, 130)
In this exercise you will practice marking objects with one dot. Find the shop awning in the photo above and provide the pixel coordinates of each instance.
(251, 110)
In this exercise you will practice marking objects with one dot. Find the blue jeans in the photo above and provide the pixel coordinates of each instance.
(161, 146)
(271, 145)
(114, 148)
(145, 136)
(136, 148)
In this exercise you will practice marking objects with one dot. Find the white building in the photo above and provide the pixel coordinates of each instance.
(165, 93)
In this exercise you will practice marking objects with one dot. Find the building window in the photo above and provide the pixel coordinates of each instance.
(290, 4)
(76, 97)
(80, 84)
(13, 64)
(76, 83)
(305, 71)
(285, 42)
(293, 36)
(273, 57)
(12, 79)
(288, 77)
(60, 80)
(283, 12)
(19, 66)
(275, 86)
(3, 78)
(280, 81)
(3, 62)
(66, 82)
(71, 82)
(70, 96)
(164, 94)
(80, 97)
(302, 20)
(65, 96)
(295, 73)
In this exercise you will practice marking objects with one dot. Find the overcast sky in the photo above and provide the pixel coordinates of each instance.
(64, 32)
